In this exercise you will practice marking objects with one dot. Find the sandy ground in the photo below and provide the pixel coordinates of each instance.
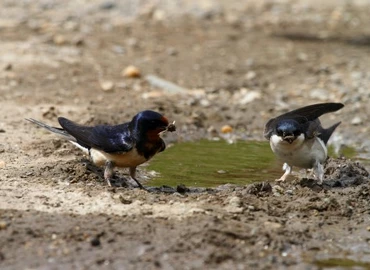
(235, 63)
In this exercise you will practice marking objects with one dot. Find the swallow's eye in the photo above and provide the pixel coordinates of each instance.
(155, 123)
(279, 131)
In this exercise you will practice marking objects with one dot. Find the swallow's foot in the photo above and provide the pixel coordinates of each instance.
(109, 172)
(287, 170)
(319, 173)
(139, 185)
(133, 176)
(108, 181)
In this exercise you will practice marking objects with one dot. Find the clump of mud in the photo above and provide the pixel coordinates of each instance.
(345, 170)
(259, 189)
(340, 172)
(72, 171)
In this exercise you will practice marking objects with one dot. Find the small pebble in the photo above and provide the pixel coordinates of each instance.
(159, 15)
(8, 67)
(250, 75)
(277, 190)
(172, 51)
(233, 205)
(95, 242)
(3, 225)
(319, 94)
(51, 77)
(249, 96)
(302, 57)
(131, 72)
(13, 83)
(289, 192)
(165, 85)
(272, 225)
(71, 25)
(78, 41)
(205, 102)
(124, 200)
(118, 49)
(59, 40)
(106, 85)
(2, 164)
(356, 75)
(108, 5)
(356, 121)
(226, 129)
(235, 201)
(132, 42)
(152, 94)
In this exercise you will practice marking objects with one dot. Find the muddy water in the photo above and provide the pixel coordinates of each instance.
(343, 263)
(212, 163)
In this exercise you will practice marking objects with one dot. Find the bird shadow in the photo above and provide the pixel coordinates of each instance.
(179, 189)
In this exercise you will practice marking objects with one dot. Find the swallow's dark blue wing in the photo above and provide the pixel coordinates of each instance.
(314, 129)
(312, 112)
(110, 139)
(326, 133)
(304, 116)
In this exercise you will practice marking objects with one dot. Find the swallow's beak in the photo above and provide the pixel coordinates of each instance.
(289, 138)
(170, 127)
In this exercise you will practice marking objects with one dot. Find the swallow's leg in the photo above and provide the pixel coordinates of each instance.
(108, 172)
(319, 172)
(133, 176)
(287, 170)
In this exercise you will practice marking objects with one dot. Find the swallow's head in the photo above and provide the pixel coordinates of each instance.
(288, 130)
(152, 123)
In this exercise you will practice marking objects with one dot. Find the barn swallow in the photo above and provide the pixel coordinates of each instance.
(298, 139)
(127, 145)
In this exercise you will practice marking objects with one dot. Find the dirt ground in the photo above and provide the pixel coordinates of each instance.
(235, 63)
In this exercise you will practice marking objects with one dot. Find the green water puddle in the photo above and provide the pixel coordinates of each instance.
(208, 163)
(341, 262)
(211, 163)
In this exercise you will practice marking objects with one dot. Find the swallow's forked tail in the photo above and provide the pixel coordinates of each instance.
(327, 132)
(59, 131)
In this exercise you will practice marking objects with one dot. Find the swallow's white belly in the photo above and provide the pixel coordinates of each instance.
(301, 153)
(128, 159)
